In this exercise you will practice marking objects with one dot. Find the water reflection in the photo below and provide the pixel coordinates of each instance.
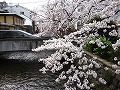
(26, 76)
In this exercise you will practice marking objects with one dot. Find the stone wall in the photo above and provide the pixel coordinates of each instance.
(19, 45)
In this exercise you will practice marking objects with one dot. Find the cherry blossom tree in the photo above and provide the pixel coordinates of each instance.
(74, 66)
(61, 15)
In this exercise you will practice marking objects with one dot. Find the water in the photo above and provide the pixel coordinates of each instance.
(26, 76)
(26, 56)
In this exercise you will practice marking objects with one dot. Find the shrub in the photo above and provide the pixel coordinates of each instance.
(95, 18)
(103, 36)
(101, 47)
(110, 31)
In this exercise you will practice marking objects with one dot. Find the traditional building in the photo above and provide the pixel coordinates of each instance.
(9, 8)
(23, 12)
(11, 21)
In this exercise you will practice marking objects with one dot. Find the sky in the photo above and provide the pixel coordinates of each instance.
(30, 4)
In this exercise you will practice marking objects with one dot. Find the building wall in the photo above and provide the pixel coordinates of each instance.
(11, 21)
(18, 21)
(4, 27)
(1, 18)
(15, 20)
(12, 28)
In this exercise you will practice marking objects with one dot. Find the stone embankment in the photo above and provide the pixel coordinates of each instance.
(108, 73)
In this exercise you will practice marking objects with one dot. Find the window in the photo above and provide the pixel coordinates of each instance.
(22, 13)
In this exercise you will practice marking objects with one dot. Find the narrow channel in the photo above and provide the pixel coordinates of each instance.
(26, 76)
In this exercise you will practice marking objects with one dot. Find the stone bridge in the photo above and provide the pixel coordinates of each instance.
(19, 44)
(21, 50)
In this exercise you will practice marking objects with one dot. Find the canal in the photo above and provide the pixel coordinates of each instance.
(26, 76)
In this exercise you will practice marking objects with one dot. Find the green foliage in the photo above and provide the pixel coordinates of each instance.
(106, 53)
(108, 77)
(101, 32)
(105, 38)
(95, 18)
(117, 54)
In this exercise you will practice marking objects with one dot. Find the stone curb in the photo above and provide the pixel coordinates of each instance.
(105, 62)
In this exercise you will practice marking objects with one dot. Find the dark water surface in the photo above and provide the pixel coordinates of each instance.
(26, 76)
